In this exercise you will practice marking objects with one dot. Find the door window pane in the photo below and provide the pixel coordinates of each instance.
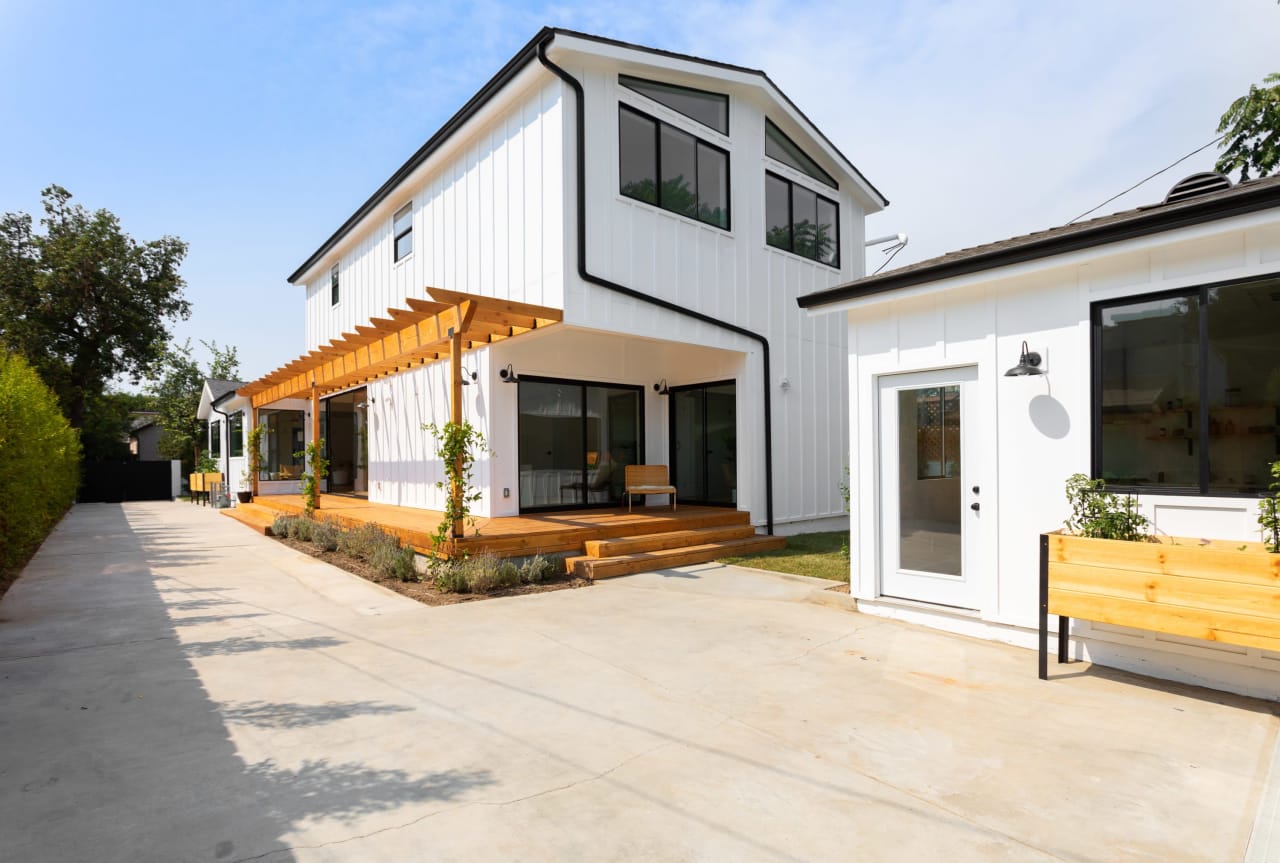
(679, 165)
(284, 438)
(613, 441)
(638, 150)
(929, 479)
(704, 432)
(1150, 393)
(1243, 378)
(551, 444)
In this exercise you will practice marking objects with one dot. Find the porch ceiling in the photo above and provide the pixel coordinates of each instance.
(419, 334)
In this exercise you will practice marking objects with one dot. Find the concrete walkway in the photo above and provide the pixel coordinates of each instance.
(174, 687)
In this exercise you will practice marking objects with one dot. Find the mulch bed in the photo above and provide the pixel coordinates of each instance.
(424, 591)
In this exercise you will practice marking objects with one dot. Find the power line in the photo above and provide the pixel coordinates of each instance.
(1140, 182)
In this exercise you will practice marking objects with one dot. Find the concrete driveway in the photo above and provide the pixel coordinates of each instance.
(174, 687)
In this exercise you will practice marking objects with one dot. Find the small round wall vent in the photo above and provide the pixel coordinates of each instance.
(1197, 185)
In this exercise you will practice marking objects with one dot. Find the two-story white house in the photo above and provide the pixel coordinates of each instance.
(664, 212)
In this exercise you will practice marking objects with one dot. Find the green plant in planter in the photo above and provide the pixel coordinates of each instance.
(1269, 512)
(317, 469)
(207, 464)
(457, 444)
(1098, 513)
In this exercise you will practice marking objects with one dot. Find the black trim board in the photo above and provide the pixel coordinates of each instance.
(513, 67)
(1142, 224)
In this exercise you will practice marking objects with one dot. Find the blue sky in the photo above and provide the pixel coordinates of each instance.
(252, 130)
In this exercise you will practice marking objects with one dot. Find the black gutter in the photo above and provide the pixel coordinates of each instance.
(1142, 224)
(581, 174)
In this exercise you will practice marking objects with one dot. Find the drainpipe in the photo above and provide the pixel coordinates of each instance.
(225, 438)
(586, 276)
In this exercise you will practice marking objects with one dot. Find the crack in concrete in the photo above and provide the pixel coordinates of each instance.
(88, 647)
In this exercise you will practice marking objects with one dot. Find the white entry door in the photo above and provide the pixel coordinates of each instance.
(930, 491)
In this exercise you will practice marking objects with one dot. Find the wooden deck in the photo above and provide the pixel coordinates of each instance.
(514, 536)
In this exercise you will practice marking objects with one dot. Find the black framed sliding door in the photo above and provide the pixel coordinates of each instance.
(704, 443)
(574, 440)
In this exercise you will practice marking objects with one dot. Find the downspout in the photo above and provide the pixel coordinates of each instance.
(225, 439)
(586, 276)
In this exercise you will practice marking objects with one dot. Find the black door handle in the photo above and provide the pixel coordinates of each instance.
(975, 506)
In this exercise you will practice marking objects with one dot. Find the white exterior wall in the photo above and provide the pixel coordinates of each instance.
(487, 219)
(730, 275)
(1036, 431)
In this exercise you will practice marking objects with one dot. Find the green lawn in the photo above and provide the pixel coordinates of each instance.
(816, 554)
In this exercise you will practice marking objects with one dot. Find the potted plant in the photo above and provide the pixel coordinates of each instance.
(1108, 566)
(245, 493)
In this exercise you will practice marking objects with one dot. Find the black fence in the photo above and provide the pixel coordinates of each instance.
(118, 481)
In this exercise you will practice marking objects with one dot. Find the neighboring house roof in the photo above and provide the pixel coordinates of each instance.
(142, 419)
(523, 57)
(1240, 199)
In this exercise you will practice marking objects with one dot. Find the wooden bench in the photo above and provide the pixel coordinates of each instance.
(648, 479)
(200, 485)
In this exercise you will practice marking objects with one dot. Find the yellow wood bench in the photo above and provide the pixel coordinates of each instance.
(648, 479)
(200, 485)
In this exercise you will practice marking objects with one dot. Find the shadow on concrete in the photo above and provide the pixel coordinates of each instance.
(265, 714)
(1079, 668)
(117, 752)
(198, 619)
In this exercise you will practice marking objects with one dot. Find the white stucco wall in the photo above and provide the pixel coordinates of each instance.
(1036, 431)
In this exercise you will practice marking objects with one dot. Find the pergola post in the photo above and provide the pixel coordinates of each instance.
(455, 417)
(315, 438)
(255, 457)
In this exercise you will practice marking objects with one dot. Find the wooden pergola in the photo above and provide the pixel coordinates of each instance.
(428, 330)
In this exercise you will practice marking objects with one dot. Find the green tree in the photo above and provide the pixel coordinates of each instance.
(176, 396)
(108, 418)
(84, 302)
(1252, 131)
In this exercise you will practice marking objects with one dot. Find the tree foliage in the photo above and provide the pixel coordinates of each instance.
(84, 302)
(176, 396)
(40, 469)
(108, 419)
(1252, 131)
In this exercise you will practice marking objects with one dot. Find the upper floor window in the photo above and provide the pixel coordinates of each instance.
(665, 166)
(402, 227)
(709, 109)
(333, 286)
(800, 220)
(1186, 389)
(778, 146)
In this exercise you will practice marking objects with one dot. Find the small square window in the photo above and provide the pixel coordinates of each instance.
(402, 227)
(333, 286)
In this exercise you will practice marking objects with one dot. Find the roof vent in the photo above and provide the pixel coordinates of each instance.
(1197, 185)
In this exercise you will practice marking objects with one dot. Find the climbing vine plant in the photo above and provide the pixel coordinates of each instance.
(457, 444)
(1269, 512)
(317, 469)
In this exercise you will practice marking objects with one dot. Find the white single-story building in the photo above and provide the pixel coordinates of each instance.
(1158, 331)
(616, 237)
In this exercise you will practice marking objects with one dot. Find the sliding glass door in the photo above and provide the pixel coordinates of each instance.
(575, 439)
(704, 443)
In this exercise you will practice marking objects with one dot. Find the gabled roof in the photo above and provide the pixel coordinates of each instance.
(213, 393)
(526, 55)
(1243, 198)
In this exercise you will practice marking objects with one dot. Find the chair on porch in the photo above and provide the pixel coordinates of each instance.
(649, 479)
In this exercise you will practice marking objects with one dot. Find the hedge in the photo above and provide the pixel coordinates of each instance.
(39, 464)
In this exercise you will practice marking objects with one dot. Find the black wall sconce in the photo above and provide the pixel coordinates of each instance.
(508, 375)
(661, 388)
(1028, 364)
(465, 375)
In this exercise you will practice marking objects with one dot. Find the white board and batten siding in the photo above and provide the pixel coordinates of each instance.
(731, 275)
(1036, 431)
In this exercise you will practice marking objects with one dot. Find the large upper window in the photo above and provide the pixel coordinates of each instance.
(333, 286)
(1187, 389)
(709, 109)
(778, 146)
(800, 220)
(668, 167)
(402, 227)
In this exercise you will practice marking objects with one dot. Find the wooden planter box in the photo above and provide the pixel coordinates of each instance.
(1215, 590)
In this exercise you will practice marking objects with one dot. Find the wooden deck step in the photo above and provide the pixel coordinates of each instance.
(608, 567)
(671, 539)
(254, 516)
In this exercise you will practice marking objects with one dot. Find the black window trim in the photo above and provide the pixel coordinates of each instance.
(791, 220)
(622, 83)
(657, 146)
(335, 285)
(826, 179)
(1201, 295)
(396, 257)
